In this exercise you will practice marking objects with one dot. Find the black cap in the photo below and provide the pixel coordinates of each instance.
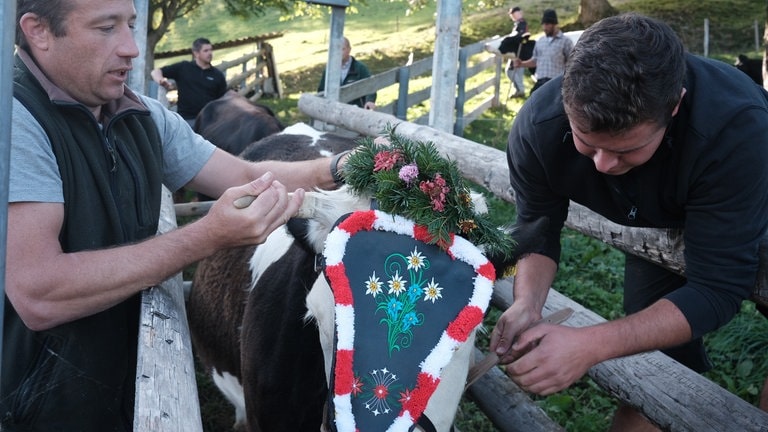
(515, 9)
(549, 17)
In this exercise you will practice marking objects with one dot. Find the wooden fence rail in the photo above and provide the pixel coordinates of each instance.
(473, 61)
(166, 389)
(668, 393)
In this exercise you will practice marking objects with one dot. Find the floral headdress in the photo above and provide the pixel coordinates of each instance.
(411, 179)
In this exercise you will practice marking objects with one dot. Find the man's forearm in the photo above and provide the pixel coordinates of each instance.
(533, 279)
(659, 326)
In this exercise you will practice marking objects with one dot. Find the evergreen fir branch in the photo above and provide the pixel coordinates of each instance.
(376, 167)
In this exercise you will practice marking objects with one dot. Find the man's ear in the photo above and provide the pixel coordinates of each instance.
(36, 31)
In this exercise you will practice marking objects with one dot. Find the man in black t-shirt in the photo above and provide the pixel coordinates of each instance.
(197, 81)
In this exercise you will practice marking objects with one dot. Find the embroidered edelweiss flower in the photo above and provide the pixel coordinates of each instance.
(415, 260)
(373, 285)
(409, 173)
(396, 284)
(432, 291)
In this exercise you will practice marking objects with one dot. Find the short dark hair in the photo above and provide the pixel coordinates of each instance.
(52, 12)
(197, 45)
(623, 71)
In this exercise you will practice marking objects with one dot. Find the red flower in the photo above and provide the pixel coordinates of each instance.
(381, 391)
(436, 190)
(357, 386)
(386, 160)
(405, 397)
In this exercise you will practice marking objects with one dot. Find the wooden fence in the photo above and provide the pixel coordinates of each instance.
(474, 61)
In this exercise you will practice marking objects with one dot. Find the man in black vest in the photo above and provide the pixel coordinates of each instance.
(88, 158)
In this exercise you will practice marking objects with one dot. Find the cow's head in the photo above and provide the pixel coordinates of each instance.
(390, 279)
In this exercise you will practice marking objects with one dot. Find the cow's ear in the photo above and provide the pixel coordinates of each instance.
(528, 237)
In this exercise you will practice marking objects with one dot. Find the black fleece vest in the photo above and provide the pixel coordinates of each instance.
(80, 376)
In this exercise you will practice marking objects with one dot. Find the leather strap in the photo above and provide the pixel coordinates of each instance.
(492, 359)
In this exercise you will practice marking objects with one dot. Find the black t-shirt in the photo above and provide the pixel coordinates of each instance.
(196, 86)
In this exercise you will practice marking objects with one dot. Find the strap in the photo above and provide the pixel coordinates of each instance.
(492, 359)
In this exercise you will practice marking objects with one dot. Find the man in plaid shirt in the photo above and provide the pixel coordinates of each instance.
(550, 53)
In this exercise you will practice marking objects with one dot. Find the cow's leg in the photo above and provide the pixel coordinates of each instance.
(320, 304)
(283, 375)
(215, 311)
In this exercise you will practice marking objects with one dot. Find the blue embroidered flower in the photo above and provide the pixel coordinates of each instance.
(398, 303)
(393, 307)
(410, 319)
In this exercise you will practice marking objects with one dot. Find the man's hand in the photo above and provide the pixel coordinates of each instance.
(272, 207)
(551, 358)
(512, 322)
(166, 83)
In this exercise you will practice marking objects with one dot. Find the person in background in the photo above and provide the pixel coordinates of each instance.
(517, 74)
(657, 149)
(550, 53)
(197, 81)
(352, 70)
(88, 161)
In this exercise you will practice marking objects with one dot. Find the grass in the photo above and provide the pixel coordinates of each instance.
(591, 273)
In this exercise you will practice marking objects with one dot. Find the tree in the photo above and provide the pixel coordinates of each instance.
(592, 11)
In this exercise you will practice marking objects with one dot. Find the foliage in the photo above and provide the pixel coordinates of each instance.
(411, 179)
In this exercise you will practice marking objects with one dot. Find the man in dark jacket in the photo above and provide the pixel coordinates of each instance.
(657, 148)
(352, 70)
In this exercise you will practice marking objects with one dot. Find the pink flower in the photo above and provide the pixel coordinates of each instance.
(409, 173)
(436, 190)
(386, 160)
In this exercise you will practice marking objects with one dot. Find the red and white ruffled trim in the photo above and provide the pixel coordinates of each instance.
(456, 334)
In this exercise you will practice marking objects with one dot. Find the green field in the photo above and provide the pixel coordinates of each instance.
(590, 272)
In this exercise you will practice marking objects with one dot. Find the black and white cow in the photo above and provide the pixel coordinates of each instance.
(230, 306)
(248, 314)
(752, 67)
(519, 45)
(232, 122)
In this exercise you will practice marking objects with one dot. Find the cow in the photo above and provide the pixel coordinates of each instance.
(517, 45)
(262, 323)
(232, 122)
(752, 67)
(221, 289)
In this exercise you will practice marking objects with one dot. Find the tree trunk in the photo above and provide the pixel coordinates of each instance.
(592, 11)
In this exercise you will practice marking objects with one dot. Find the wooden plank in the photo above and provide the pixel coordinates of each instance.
(671, 395)
(166, 390)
